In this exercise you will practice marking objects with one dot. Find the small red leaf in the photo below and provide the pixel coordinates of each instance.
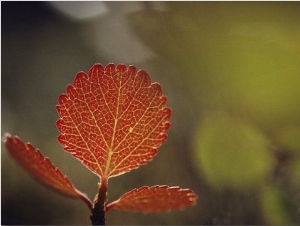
(41, 168)
(154, 199)
(113, 119)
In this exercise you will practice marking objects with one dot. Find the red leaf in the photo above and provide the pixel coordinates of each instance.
(113, 119)
(41, 168)
(154, 199)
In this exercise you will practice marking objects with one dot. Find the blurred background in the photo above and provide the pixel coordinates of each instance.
(230, 70)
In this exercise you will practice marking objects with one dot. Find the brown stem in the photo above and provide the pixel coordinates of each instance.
(98, 213)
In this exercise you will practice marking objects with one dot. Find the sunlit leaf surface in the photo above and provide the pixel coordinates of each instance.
(113, 119)
(155, 199)
(40, 167)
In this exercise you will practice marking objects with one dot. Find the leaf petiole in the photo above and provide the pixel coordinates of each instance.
(98, 211)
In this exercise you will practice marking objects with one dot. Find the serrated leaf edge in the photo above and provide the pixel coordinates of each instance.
(29, 146)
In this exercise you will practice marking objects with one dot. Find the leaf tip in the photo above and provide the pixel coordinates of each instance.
(5, 136)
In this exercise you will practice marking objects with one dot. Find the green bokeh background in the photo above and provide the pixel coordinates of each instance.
(231, 72)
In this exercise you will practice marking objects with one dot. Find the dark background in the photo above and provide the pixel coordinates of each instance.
(230, 71)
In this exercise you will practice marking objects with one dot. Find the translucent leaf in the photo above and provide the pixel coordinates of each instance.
(113, 119)
(154, 199)
(41, 168)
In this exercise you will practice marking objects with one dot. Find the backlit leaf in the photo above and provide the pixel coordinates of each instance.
(154, 199)
(41, 168)
(113, 119)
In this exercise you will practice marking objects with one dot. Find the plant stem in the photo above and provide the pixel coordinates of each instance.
(98, 213)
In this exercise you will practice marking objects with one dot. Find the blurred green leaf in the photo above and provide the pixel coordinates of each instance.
(231, 153)
(293, 177)
(289, 137)
(273, 206)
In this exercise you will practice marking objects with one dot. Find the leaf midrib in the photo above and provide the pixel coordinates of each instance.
(111, 149)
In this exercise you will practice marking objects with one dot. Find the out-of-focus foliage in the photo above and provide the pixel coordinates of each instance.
(289, 138)
(238, 58)
(231, 153)
(274, 207)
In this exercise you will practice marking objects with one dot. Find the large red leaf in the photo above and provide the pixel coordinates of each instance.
(41, 168)
(154, 199)
(113, 119)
